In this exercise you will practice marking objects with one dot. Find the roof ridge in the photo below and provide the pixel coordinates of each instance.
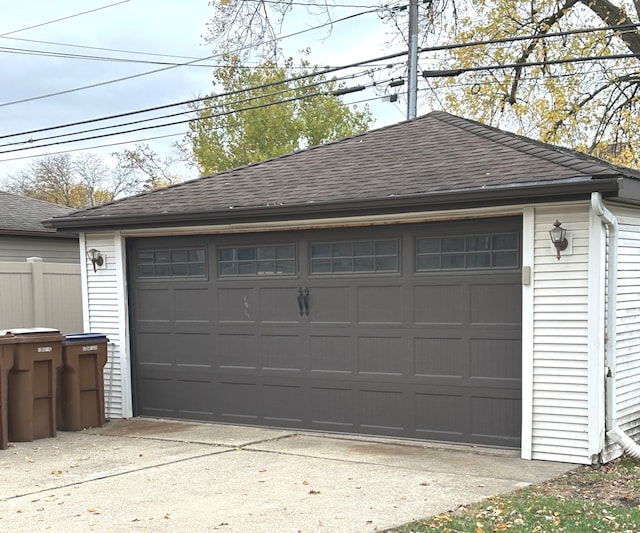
(526, 145)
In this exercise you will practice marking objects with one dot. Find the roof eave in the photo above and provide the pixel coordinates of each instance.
(38, 233)
(477, 197)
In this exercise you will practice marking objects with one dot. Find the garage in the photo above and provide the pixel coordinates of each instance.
(403, 330)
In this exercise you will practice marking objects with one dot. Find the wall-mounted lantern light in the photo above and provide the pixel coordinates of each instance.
(96, 258)
(559, 237)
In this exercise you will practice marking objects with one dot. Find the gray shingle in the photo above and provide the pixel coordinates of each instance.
(433, 153)
(19, 214)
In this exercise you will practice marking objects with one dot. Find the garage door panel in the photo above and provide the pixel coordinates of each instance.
(154, 305)
(499, 358)
(496, 420)
(279, 305)
(440, 416)
(236, 351)
(193, 348)
(156, 396)
(239, 400)
(236, 305)
(379, 410)
(155, 348)
(333, 408)
(284, 403)
(439, 356)
(282, 352)
(509, 310)
(437, 304)
(192, 305)
(332, 354)
(381, 355)
(330, 305)
(382, 305)
(194, 399)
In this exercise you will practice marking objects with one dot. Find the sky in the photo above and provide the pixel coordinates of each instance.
(174, 27)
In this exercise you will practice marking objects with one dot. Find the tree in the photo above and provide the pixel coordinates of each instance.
(257, 118)
(153, 170)
(79, 183)
(591, 105)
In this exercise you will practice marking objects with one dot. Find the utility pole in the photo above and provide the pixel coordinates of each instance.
(412, 86)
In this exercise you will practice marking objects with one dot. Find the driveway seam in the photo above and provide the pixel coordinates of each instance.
(117, 474)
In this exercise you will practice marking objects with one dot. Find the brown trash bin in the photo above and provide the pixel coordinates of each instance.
(81, 391)
(37, 354)
(6, 364)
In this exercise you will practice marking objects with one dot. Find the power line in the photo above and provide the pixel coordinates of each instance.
(329, 71)
(155, 71)
(359, 63)
(426, 74)
(456, 72)
(62, 18)
(337, 92)
(67, 55)
(100, 48)
(70, 150)
(120, 143)
(203, 98)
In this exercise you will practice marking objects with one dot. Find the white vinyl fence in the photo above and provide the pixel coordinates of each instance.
(40, 294)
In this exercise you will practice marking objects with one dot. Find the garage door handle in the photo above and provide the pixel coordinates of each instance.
(300, 301)
(305, 298)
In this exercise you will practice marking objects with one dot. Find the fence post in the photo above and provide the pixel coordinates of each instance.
(37, 284)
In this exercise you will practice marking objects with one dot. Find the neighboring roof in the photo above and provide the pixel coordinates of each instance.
(437, 159)
(20, 215)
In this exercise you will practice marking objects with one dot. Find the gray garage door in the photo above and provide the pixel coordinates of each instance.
(411, 331)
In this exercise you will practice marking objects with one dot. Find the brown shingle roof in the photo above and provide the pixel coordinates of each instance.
(431, 154)
(20, 215)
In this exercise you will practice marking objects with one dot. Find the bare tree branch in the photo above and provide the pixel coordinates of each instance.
(543, 28)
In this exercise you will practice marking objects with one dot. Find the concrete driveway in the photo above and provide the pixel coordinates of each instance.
(157, 475)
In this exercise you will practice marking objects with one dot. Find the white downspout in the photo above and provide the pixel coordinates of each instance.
(610, 221)
(614, 433)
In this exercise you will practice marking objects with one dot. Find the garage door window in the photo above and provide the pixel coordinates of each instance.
(468, 252)
(257, 260)
(171, 263)
(354, 257)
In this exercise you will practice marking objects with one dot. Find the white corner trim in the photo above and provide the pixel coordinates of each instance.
(123, 324)
(84, 282)
(528, 248)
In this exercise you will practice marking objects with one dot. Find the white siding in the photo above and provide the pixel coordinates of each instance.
(627, 400)
(106, 296)
(560, 418)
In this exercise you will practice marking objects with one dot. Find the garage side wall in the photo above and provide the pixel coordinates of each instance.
(105, 313)
(627, 398)
(560, 404)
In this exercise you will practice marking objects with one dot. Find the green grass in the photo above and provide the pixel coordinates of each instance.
(604, 500)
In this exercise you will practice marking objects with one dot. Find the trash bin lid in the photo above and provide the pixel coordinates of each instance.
(77, 337)
(6, 338)
(28, 331)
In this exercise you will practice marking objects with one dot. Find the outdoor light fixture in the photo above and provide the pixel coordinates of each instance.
(559, 237)
(96, 258)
